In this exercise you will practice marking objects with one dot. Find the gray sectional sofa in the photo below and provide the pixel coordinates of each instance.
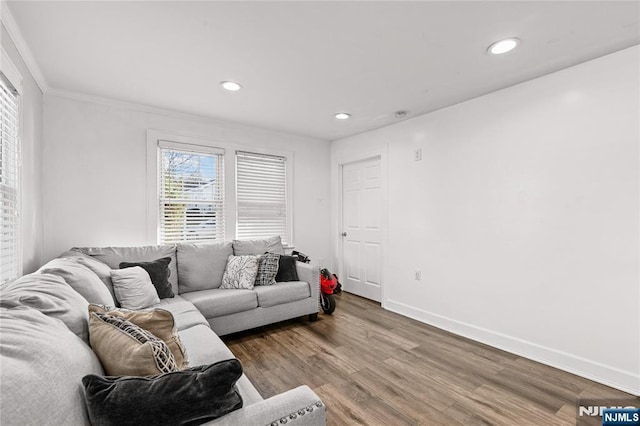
(44, 345)
(196, 275)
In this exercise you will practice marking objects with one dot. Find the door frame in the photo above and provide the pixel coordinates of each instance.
(338, 224)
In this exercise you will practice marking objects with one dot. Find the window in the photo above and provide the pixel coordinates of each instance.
(191, 193)
(10, 267)
(261, 191)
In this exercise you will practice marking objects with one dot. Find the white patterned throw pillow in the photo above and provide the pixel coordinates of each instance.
(240, 272)
(267, 269)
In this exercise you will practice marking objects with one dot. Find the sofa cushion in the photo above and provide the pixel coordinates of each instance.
(202, 265)
(256, 247)
(240, 272)
(101, 269)
(133, 288)
(218, 302)
(124, 349)
(52, 296)
(81, 278)
(267, 269)
(280, 293)
(43, 364)
(185, 314)
(158, 271)
(112, 256)
(203, 393)
(158, 322)
(204, 345)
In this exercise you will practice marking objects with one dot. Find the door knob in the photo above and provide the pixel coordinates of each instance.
(344, 234)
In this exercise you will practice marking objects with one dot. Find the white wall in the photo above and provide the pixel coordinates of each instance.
(31, 128)
(523, 217)
(95, 178)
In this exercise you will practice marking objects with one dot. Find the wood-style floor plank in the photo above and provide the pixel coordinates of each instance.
(374, 367)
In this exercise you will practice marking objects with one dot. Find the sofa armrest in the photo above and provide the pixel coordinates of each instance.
(311, 274)
(299, 406)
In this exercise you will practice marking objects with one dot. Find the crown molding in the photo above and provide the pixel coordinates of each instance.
(172, 113)
(111, 102)
(133, 106)
(9, 22)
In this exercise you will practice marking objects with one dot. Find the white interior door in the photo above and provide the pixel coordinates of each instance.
(361, 234)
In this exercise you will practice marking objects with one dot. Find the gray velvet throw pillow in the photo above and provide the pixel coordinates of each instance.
(287, 270)
(188, 397)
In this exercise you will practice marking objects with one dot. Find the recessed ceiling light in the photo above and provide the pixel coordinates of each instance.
(342, 115)
(503, 46)
(231, 85)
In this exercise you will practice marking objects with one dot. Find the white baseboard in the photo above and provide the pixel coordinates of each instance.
(623, 380)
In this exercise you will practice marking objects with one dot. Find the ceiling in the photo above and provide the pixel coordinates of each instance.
(300, 62)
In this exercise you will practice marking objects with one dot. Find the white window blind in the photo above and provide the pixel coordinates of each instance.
(191, 193)
(261, 187)
(9, 182)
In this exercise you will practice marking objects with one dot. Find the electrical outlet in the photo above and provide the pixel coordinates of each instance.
(418, 275)
(417, 154)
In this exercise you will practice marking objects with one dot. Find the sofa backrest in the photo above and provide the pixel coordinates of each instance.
(52, 296)
(81, 278)
(101, 269)
(43, 364)
(201, 266)
(112, 256)
(193, 267)
(257, 247)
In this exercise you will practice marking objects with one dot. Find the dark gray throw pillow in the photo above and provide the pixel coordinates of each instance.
(187, 397)
(287, 269)
(159, 272)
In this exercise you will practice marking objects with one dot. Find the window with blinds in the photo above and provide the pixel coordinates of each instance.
(9, 182)
(191, 193)
(261, 191)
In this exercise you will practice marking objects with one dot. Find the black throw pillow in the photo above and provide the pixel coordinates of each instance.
(159, 272)
(188, 397)
(287, 269)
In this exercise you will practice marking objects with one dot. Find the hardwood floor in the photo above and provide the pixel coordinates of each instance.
(374, 367)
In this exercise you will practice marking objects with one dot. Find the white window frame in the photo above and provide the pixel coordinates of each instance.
(157, 140)
(200, 151)
(12, 74)
(288, 210)
(230, 148)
